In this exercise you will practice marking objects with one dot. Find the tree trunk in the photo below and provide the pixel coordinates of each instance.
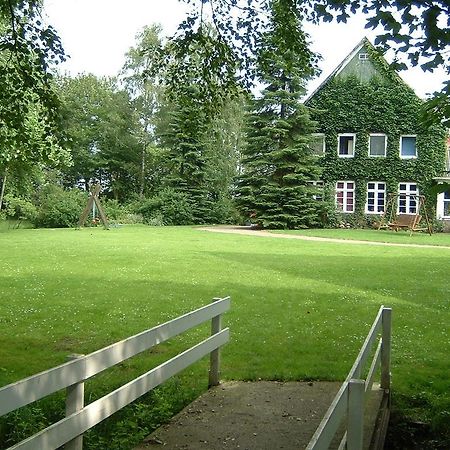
(141, 193)
(2, 193)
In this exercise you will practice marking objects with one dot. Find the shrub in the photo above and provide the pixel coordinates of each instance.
(169, 207)
(58, 208)
(19, 209)
(224, 211)
(439, 226)
(131, 218)
(329, 216)
(113, 209)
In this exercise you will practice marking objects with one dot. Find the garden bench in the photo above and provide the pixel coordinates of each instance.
(405, 221)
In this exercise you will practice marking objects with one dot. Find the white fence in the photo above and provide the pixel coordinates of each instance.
(350, 399)
(71, 375)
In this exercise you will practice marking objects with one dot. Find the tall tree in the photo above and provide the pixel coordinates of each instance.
(142, 77)
(277, 163)
(28, 103)
(101, 130)
(196, 92)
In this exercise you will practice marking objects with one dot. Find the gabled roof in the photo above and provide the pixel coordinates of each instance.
(363, 43)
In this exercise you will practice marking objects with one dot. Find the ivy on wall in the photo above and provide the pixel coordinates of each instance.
(385, 105)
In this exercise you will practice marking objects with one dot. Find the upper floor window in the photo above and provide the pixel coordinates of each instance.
(408, 146)
(363, 56)
(345, 196)
(377, 144)
(408, 197)
(317, 144)
(376, 196)
(346, 145)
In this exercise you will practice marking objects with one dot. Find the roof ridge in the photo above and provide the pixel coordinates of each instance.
(363, 42)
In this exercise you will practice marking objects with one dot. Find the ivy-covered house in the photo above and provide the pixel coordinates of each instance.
(370, 141)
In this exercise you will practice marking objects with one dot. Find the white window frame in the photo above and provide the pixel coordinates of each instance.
(345, 196)
(385, 145)
(376, 191)
(411, 203)
(400, 146)
(443, 199)
(322, 135)
(353, 135)
(363, 56)
(446, 200)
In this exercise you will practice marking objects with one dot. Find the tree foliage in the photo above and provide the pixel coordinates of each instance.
(28, 102)
(27, 50)
(278, 165)
(101, 132)
(418, 31)
(416, 28)
(142, 77)
(199, 84)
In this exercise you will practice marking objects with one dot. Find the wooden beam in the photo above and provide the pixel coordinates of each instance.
(33, 388)
(66, 429)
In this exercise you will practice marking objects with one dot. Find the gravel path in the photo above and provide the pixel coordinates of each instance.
(261, 233)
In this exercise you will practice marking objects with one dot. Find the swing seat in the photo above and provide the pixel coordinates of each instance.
(405, 221)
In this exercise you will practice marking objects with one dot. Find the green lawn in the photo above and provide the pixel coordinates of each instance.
(400, 237)
(300, 309)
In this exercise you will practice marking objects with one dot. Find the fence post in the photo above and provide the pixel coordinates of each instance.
(214, 370)
(355, 414)
(386, 320)
(74, 402)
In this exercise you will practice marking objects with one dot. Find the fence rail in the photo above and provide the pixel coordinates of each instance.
(350, 399)
(71, 375)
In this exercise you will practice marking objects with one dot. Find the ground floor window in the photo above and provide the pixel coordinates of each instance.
(407, 198)
(345, 196)
(376, 197)
(447, 204)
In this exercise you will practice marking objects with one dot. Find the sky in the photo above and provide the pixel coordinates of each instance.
(96, 34)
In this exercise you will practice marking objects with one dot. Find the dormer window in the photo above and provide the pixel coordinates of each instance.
(363, 56)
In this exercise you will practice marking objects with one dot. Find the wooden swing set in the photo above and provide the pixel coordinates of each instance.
(392, 219)
(94, 204)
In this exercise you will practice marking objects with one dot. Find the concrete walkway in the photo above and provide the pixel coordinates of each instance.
(249, 231)
(263, 415)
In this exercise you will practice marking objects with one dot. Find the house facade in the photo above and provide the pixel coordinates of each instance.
(371, 144)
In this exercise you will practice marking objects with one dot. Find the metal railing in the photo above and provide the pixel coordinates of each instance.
(351, 397)
(73, 374)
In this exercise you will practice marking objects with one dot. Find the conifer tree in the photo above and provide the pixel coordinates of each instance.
(196, 97)
(185, 139)
(277, 165)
